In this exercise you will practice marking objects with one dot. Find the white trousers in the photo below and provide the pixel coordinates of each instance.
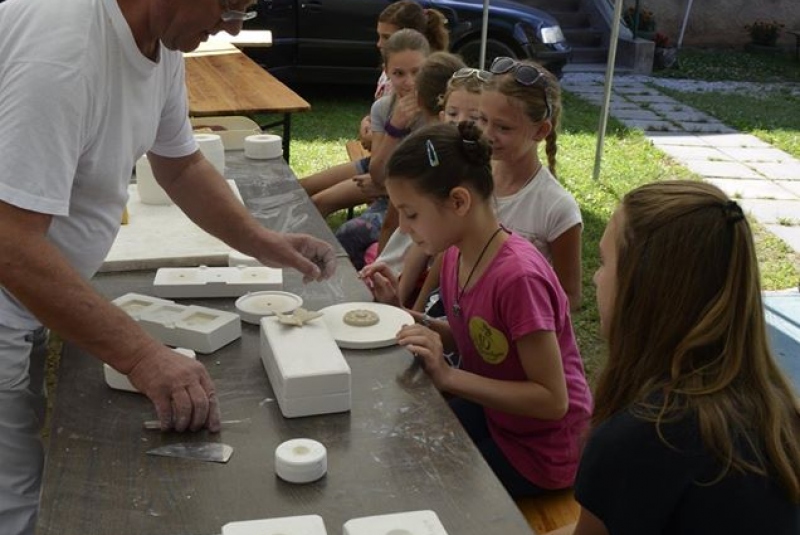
(22, 411)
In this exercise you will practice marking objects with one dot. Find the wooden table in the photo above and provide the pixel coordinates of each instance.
(232, 84)
(399, 449)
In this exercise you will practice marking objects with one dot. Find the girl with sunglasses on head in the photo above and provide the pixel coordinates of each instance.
(520, 109)
(520, 393)
(696, 430)
(333, 189)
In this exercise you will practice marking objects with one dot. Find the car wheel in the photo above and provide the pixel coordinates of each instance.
(470, 51)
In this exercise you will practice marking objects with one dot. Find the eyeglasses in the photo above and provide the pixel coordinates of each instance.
(234, 15)
(467, 72)
(524, 74)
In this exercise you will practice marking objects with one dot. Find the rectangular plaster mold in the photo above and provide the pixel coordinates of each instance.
(306, 368)
(408, 523)
(288, 525)
(119, 381)
(201, 329)
(207, 281)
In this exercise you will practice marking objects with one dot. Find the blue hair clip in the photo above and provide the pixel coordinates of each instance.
(433, 158)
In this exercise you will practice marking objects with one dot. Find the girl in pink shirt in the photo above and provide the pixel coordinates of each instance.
(520, 392)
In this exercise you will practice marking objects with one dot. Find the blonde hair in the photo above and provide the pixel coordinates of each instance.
(539, 101)
(688, 337)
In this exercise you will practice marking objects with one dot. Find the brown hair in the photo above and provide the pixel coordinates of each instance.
(432, 78)
(535, 100)
(440, 157)
(429, 22)
(688, 337)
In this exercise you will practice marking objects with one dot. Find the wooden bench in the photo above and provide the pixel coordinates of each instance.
(550, 511)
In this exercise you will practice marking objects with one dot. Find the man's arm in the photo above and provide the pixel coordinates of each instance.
(202, 193)
(39, 276)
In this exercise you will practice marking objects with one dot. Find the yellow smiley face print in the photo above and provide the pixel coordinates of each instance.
(492, 346)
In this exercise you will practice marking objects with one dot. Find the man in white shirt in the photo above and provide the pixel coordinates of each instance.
(86, 88)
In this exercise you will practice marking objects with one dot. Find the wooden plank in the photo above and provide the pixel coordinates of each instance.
(233, 84)
(550, 511)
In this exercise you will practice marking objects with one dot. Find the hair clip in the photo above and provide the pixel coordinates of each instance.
(433, 158)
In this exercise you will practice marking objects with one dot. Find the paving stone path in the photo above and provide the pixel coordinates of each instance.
(763, 179)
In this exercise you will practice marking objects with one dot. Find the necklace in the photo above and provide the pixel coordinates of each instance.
(457, 304)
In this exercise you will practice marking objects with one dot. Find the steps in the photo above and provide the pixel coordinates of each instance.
(589, 40)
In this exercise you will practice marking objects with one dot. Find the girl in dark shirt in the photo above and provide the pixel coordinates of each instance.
(695, 430)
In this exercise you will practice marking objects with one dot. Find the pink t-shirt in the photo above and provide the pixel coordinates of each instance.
(518, 294)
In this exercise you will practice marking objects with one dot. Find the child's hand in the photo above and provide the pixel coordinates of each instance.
(426, 344)
(368, 186)
(365, 132)
(382, 281)
(405, 110)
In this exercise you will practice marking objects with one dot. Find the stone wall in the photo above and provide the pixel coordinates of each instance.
(720, 22)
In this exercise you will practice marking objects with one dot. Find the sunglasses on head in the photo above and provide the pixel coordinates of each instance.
(467, 72)
(524, 74)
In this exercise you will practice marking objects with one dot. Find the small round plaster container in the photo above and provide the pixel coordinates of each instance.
(255, 305)
(301, 460)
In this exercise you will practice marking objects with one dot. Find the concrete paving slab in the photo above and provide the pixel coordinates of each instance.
(790, 235)
(783, 171)
(774, 212)
(710, 169)
(683, 153)
(745, 188)
(790, 185)
(637, 89)
(735, 139)
(707, 128)
(677, 138)
(690, 116)
(636, 113)
(757, 154)
(652, 99)
(667, 107)
(660, 126)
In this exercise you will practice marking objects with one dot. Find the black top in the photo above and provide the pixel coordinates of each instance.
(638, 485)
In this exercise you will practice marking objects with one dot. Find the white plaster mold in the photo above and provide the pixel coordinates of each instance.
(207, 281)
(407, 523)
(201, 329)
(307, 371)
(288, 525)
(120, 381)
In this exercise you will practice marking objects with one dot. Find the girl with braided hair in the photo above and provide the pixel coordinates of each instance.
(520, 392)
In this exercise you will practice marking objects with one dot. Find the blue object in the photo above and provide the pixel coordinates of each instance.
(782, 313)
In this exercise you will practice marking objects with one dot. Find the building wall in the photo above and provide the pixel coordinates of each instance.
(721, 22)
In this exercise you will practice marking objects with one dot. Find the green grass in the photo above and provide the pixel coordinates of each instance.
(629, 160)
(734, 65)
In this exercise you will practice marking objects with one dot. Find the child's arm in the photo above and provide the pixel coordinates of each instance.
(405, 111)
(414, 263)
(588, 524)
(543, 395)
(430, 284)
(566, 252)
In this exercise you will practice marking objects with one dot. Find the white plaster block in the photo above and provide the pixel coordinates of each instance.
(206, 281)
(307, 371)
(119, 381)
(288, 525)
(235, 258)
(408, 523)
(201, 329)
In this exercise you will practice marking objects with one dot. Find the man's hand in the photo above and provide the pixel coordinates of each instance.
(180, 388)
(312, 257)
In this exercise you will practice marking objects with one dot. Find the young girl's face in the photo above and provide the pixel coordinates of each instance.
(385, 31)
(605, 278)
(427, 221)
(402, 68)
(509, 130)
(461, 105)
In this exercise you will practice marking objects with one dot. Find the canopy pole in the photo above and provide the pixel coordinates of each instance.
(484, 35)
(612, 58)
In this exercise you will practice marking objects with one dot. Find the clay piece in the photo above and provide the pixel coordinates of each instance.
(299, 317)
(361, 317)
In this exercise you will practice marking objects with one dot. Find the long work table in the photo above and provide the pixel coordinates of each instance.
(399, 448)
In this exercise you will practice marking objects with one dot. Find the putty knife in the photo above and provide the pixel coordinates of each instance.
(198, 451)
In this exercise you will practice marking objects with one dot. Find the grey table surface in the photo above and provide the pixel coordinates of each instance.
(399, 448)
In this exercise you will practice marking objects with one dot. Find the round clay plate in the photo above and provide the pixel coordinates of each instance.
(382, 334)
(255, 305)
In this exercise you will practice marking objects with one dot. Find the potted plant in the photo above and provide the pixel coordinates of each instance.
(764, 32)
(642, 22)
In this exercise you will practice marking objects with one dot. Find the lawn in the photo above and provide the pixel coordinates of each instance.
(629, 160)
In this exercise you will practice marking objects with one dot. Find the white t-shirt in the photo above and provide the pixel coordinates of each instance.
(540, 212)
(79, 104)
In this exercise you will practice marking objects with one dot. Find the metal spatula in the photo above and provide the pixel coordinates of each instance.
(198, 451)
